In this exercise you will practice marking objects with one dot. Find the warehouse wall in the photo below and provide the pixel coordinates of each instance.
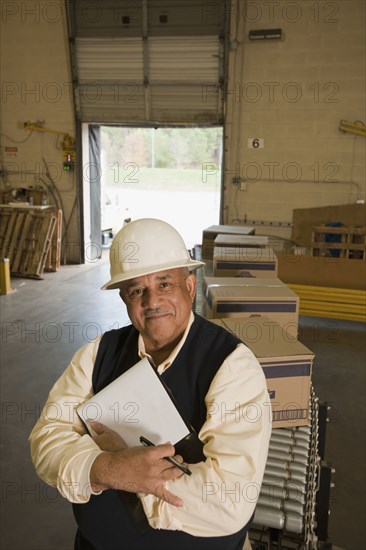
(36, 86)
(292, 93)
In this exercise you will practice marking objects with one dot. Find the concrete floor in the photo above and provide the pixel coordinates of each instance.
(44, 322)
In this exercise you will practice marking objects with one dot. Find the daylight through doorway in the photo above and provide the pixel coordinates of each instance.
(169, 173)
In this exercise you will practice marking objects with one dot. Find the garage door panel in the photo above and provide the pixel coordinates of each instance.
(154, 77)
(112, 102)
(108, 59)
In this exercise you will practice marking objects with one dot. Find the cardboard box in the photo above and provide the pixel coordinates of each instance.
(287, 366)
(244, 262)
(240, 281)
(251, 297)
(322, 271)
(241, 241)
(209, 235)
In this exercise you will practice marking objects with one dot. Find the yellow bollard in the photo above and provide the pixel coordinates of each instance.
(5, 276)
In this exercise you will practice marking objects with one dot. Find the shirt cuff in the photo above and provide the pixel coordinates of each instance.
(73, 481)
(158, 513)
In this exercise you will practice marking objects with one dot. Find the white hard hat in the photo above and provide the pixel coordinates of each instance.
(146, 246)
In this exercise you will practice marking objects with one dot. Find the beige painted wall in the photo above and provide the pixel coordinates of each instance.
(292, 93)
(36, 86)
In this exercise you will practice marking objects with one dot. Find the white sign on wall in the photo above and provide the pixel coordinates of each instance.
(255, 143)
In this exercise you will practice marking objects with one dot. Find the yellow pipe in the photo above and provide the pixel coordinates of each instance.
(360, 125)
(333, 307)
(345, 316)
(349, 131)
(336, 303)
(335, 290)
(330, 303)
(324, 301)
(35, 128)
(358, 294)
(357, 128)
(328, 292)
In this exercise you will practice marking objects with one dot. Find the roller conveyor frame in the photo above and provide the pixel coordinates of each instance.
(293, 506)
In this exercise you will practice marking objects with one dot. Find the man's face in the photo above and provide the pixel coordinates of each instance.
(159, 305)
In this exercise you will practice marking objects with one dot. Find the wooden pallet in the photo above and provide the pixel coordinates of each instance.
(25, 239)
(351, 245)
(53, 260)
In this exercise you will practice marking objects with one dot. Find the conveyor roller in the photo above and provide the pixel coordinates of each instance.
(287, 503)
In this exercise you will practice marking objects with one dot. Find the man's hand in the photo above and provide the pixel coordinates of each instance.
(136, 469)
(107, 439)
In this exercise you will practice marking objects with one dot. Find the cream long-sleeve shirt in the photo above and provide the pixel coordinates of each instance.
(220, 495)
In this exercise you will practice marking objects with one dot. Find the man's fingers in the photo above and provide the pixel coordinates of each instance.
(172, 499)
(97, 427)
(172, 472)
(161, 451)
(168, 497)
(107, 439)
(101, 429)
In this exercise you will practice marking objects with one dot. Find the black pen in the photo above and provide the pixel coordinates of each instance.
(172, 460)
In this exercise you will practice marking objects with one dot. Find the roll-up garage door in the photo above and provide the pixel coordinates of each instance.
(149, 61)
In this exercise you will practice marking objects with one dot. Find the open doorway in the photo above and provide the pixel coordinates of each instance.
(169, 173)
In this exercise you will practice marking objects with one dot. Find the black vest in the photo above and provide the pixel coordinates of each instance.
(104, 523)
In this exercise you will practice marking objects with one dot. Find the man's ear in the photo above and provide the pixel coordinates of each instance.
(121, 295)
(191, 283)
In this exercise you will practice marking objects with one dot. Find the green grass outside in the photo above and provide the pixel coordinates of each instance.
(165, 179)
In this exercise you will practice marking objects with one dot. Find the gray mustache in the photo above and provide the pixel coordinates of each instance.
(150, 312)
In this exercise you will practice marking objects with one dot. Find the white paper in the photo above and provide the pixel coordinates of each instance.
(136, 404)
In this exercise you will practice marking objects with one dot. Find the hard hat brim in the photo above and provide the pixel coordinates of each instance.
(115, 281)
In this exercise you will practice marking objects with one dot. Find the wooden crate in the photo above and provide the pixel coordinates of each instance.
(342, 242)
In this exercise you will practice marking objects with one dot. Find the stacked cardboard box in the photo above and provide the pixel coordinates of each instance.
(244, 262)
(209, 235)
(251, 297)
(287, 365)
(240, 281)
(241, 241)
(245, 297)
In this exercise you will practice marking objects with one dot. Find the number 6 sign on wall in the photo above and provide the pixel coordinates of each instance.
(255, 143)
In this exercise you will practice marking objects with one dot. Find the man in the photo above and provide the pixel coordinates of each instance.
(133, 498)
